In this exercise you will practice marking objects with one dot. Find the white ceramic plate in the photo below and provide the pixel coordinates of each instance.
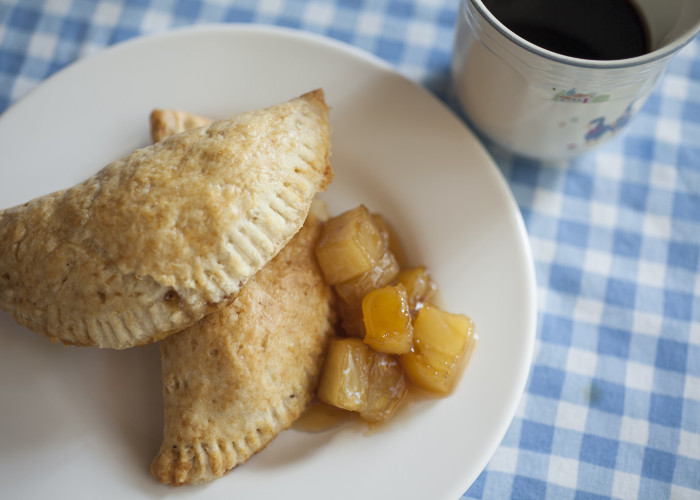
(85, 423)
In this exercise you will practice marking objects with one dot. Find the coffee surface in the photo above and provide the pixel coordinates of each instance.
(585, 29)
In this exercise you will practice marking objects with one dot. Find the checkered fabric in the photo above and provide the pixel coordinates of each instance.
(612, 405)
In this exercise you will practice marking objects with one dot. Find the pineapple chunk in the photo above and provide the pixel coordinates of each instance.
(386, 389)
(356, 378)
(345, 374)
(387, 320)
(419, 284)
(352, 291)
(391, 238)
(441, 342)
(349, 246)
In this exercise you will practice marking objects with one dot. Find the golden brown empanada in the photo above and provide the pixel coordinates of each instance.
(239, 376)
(162, 237)
(167, 122)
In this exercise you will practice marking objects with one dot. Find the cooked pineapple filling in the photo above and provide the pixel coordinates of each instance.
(387, 319)
(440, 342)
(350, 245)
(392, 334)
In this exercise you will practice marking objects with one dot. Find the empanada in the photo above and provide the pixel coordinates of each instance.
(239, 376)
(160, 238)
(167, 122)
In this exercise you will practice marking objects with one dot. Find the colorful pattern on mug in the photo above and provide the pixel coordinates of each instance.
(573, 96)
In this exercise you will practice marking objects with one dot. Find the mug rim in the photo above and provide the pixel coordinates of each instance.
(654, 55)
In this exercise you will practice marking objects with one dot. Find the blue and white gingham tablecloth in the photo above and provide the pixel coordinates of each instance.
(612, 405)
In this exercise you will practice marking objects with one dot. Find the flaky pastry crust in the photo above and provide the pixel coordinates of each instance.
(241, 375)
(167, 122)
(160, 238)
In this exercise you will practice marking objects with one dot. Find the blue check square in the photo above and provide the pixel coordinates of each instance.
(524, 172)
(341, 34)
(683, 255)
(691, 112)
(238, 15)
(633, 196)
(688, 158)
(614, 342)
(686, 206)
(627, 243)
(446, 17)
(123, 33)
(400, 9)
(658, 465)
(187, 9)
(607, 396)
(695, 70)
(687, 472)
(652, 489)
(10, 62)
(678, 305)
(671, 355)
(24, 19)
(652, 106)
(620, 293)
(390, 49)
(693, 353)
(573, 233)
(665, 410)
(527, 488)
(556, 329)
(546, 381)
(73, 29)
(565, 279)
(578, 184)
(585, 495)
(536, 437)
(598, 450)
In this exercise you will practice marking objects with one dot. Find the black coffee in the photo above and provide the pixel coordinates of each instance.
(586, 29)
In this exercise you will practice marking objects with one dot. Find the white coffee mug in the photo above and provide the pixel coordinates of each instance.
(545, 105)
